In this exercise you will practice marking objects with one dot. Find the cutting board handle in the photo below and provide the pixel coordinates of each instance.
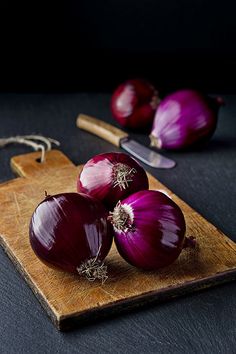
(29, 165)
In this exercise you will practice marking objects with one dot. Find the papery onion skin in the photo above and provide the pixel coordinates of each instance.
(184, 118)
(98, 179)
(155, 235)
(134, 103)
(69, 229)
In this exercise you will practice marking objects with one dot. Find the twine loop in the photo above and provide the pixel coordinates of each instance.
(37, 142)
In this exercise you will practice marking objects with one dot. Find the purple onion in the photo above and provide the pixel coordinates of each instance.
(70, 231)
(112, 176)
(149, 230)
(184, 118)
(133, 104)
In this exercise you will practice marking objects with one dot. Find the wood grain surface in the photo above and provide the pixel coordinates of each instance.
(69, 299)
(100, 128)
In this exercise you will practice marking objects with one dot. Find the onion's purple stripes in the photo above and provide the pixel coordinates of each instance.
(149, 229)
(184, 118)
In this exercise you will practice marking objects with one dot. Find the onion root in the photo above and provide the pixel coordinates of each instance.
(122, 175)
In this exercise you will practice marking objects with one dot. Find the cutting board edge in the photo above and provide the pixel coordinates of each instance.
(73, 320)
(16, 264)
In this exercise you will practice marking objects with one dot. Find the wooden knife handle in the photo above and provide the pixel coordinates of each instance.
(104, 130)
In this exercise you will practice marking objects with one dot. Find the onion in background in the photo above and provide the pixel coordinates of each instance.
(134, 103)
(184, 118)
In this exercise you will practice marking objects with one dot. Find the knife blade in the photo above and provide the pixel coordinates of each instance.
(121, 139)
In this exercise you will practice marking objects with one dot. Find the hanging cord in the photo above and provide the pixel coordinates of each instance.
(33, 141)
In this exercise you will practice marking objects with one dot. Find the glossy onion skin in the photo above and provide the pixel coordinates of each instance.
(158, 231)
(68, 229)
(184, 118)
(134, 103)
(96, 178)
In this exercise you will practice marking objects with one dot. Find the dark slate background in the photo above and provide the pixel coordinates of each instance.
(93, 45)
(204, 322)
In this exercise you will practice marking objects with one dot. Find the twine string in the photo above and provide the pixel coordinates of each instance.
(32, 141)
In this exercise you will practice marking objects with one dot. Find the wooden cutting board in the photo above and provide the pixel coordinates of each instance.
(69, 299)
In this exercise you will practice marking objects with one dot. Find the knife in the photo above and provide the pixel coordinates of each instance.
(121, 139)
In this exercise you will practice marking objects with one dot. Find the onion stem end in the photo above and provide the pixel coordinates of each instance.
(155, 142)
(122, 175)
(93, 269)
(122, 217)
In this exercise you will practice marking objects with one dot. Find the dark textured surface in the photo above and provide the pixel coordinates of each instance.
(201, 323)
(94, 44)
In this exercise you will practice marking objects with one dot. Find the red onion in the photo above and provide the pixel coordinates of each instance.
(149, 230)
(70, 231)
(183, 119)
(134, 103)
(111, 177)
